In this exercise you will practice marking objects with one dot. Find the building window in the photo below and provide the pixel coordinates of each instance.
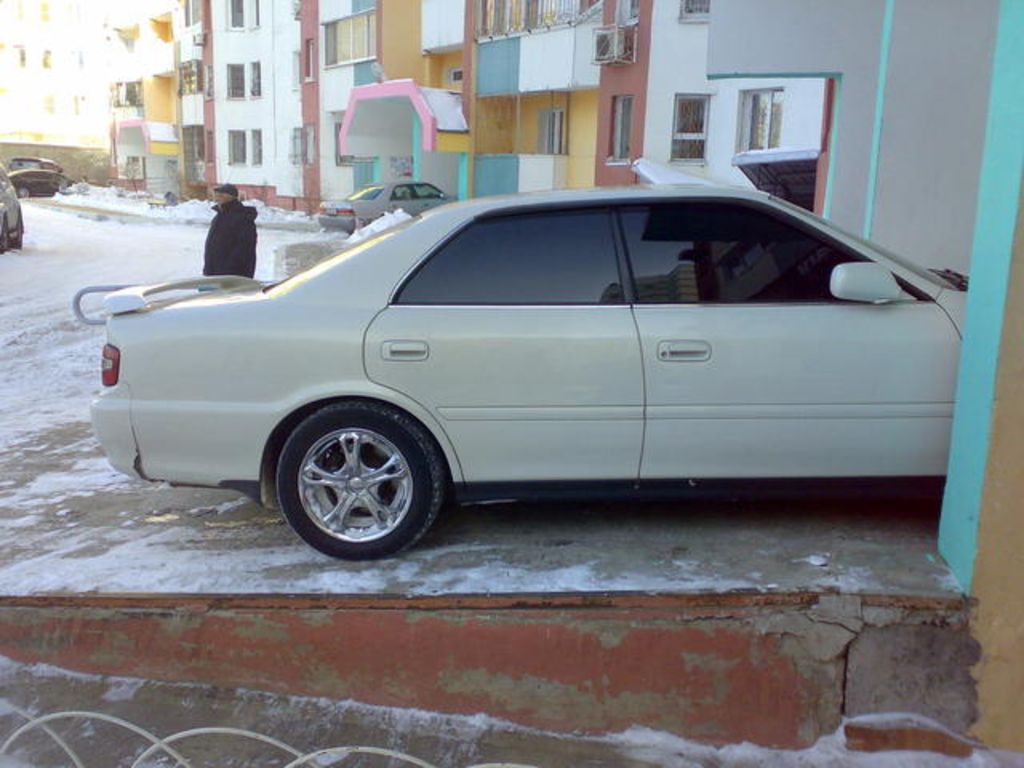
(210, 147)
(551, 132)
(236, 14)
(309, 156)
(209, 81)
(50, 104)
(339, 158)
(296, 69)
(135, 168)
(694, 10)
(47, 60)
(628, 11)
(190, 77)
(690, 128)
(255, 13)
(622, 126)
(236, 81)
(22, 58)
(309, 70)
(256, 80)
(128, 94)
(350, 39)
(760, 119)
(193, 12)
(257, 147)
(297, 147)
(44, 11)
(192, 143)
(236, 147)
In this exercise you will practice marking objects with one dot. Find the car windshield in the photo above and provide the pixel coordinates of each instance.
(300, 278)
(366, 193)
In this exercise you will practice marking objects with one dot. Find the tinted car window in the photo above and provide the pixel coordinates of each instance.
(367, 193)
(427, 191)
(402, 192)
(720, 252)
(565, 257)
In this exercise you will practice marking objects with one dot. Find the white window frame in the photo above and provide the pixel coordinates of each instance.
(621, 139)
(347, 27)
(231, 92)
(689, 16)
(746, 115)
(309, 60)
(233, 154)
(297, 146)
(256, 79)
(256, 135)
(234, 5)
(193, 12)
(551, 139)
(255, 14)
(628, 11)
(678, 135)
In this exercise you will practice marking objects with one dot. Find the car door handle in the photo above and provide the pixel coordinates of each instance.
(684, 351)
(405, 350)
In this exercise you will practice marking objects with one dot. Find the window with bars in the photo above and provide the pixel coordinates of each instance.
(622, 127)
(694, 10)
(255, 80)
(551, 132)
(209, 81)
(760, 119)
(350, 39)
(297, 147)
(192, 143)
(236, 147)
(236, 81)
(190, 77)
(690, 128)
(257, 147)
(210, 147)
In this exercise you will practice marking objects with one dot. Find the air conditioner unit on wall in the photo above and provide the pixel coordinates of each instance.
(615, 45)
(199, 39)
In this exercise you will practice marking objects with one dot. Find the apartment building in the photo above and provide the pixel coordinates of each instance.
(51, 98)
(143, 96)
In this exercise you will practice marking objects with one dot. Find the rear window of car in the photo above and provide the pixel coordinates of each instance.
(366, 193)
(543, 258)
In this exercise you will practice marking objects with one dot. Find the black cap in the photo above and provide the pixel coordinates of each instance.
(227, 189)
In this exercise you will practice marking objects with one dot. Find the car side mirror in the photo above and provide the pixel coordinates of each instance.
(864, 281)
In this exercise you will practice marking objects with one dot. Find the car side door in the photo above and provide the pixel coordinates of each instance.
(754, 370)
(402, 196)
(516, 335)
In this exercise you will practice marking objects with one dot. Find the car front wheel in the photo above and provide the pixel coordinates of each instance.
(3, 234)
(23, 192)
(360, 480)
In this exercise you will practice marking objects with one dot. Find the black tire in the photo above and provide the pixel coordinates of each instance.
(17, 240)
(24, 192)
(416, 447)
(3, 235)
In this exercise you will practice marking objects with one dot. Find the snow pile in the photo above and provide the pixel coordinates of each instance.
(375, 227)
(144, 204)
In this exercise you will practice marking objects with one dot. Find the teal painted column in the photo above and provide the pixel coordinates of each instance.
(463, 176)
(885, 45)
(376, 169)
(999, 191)
(417, 151)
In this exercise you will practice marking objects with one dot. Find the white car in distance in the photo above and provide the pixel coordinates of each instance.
(659, 340)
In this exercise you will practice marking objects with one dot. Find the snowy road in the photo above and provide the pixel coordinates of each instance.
(70, 523)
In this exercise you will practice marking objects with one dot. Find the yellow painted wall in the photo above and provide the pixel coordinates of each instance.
(437, 65)
(495, 125)
(582, 138)
(159, 96)
(998, 586)
(398, 22)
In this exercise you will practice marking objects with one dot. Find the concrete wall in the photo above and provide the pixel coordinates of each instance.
(777, 670)
(916, 195)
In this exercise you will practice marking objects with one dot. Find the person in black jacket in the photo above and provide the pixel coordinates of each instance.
(231, 241)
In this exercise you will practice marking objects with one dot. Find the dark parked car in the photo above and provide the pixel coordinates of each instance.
(38, 183)
(28, 163)
(12, 221)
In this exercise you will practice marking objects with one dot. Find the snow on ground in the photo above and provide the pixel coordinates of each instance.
(189, 211)
(51, 368)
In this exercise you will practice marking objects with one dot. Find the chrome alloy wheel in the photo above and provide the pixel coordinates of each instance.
(355, 485)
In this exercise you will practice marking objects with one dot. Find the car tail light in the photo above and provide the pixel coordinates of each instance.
(111, 365)
(339, 212)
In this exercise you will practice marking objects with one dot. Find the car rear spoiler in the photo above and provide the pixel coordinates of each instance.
(124, 299)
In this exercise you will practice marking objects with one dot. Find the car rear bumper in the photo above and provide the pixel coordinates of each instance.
(344, 223)
(111, 421)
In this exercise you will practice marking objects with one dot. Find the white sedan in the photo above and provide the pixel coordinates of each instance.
(614, 342)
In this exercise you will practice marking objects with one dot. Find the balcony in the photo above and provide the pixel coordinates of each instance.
(509, 17)
(443, 25)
